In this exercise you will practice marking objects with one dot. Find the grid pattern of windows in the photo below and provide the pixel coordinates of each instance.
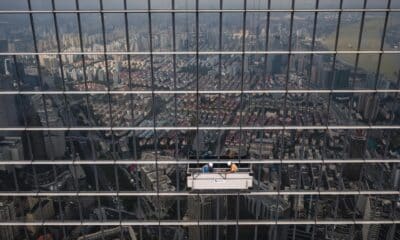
(106, 104)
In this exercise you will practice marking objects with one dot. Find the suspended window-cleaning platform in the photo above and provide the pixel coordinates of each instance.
(219, 179)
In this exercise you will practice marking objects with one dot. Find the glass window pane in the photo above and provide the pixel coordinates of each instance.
(64, 5)
(138, 32)
(185, 4)
(14, 5)
(114, 25)
(206, 4)
(161, 32)
(17, 33)
(89, 4)
(209, 25)
(232, 31)
(41, 5)
(113, 5)
(185, 32)
(139, 5)
(92, 36)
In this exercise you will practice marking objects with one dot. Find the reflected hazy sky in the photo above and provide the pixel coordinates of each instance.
(229, 4)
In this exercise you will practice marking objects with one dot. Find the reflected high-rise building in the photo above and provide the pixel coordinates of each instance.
(3, 49)
(357, 145)
(205, 212)
(15, 70)
(337, 79)
(7, 213)
(368, 106)
(8, 105)
(11, 149)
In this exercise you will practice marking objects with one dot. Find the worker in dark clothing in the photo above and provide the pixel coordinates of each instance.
(207, 168)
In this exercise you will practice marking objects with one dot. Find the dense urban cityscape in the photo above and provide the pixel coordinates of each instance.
(111, 102)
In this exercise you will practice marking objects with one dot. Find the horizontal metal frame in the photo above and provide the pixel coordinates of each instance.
(186, 193)
(202, 10)
(291, 52)
(171, 128)
(198, 223)
(266, 91)
(184, 162)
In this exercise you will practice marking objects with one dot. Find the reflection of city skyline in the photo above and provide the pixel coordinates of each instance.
(106, 119)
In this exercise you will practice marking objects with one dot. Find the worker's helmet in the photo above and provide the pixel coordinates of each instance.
(210, 164)
(229, 163)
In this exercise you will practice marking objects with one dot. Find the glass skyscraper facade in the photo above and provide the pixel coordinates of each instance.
(108, 106)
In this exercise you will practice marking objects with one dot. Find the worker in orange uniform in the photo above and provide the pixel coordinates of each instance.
(232, 167)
